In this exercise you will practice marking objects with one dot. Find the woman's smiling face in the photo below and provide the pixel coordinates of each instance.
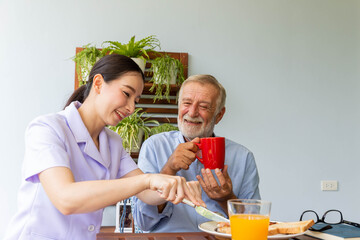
(116, 99)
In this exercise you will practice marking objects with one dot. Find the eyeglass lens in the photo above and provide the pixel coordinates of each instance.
(308, 215)
(332, 217)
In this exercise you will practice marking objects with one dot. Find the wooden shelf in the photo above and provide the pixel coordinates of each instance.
(107, 229)
(134, 155)
(162, 101)
(173, 89)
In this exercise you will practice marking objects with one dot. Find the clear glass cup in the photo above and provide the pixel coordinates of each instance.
(249, 219)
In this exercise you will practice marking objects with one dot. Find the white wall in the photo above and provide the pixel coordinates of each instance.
(291, 69)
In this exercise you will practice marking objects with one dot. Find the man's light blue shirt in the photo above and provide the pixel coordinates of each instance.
(154, 153)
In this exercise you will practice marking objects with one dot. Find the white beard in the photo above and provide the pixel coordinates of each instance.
(192, 132)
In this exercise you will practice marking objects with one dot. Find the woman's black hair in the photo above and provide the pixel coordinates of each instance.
(111, 67)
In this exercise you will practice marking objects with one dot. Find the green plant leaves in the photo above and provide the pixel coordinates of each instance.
(163, 69)
(166, 127)
(130, 127)
(85, 60)
(134, 48)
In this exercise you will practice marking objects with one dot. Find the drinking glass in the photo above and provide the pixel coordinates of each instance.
(249, 219)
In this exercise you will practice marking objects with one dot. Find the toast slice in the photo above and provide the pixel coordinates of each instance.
(290, 227)
(223, 227)
(274, 228)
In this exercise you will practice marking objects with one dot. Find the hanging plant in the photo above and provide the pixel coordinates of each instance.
(85, 60)
(166, 71)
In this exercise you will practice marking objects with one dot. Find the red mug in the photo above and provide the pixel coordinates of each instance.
(212, 152)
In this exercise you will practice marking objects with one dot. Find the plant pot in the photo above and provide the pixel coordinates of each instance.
(136, 147)
(173, 74)
(171, 79)
(140, 62)
(85, 73)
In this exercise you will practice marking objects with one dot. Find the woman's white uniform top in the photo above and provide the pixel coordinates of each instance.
(61, 139)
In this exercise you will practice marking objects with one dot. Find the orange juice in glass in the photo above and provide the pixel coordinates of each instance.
(249, 219)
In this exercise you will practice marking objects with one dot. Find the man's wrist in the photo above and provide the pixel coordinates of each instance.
(232, 196)
(225, 199)
(167, 170)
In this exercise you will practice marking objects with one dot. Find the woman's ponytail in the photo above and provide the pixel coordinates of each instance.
(78, 95)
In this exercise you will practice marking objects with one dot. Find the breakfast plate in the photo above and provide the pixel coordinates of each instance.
(210, 227)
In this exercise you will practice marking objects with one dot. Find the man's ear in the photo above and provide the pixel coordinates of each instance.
(220, 115)
(98, 81)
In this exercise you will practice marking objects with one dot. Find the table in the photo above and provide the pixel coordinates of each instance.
(169, 236)
(156, 236)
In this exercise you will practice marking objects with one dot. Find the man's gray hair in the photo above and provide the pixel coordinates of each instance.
(207, 79)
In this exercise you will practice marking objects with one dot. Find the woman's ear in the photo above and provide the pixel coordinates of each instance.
(98, 81)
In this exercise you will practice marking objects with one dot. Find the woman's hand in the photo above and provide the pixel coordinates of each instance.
(174, 188)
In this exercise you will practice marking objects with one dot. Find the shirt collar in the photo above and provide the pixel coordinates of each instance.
(81, 135)
(182, 137)
(76, 123)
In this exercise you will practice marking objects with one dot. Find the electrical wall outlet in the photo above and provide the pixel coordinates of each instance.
(327, 185)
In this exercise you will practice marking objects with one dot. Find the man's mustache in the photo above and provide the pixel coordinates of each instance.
(191, 119)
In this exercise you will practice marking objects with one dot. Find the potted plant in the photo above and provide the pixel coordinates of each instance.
(132, 129)
(85, 60)
(165, 127)
(135, 49)
(166, 70)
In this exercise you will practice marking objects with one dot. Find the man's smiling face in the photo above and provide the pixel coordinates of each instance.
(197, 109)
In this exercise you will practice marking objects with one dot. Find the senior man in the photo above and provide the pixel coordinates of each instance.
(201, 106)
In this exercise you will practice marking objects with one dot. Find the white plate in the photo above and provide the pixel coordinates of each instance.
(210, 227)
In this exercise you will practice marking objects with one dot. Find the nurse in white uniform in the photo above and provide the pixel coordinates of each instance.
(74, 166)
